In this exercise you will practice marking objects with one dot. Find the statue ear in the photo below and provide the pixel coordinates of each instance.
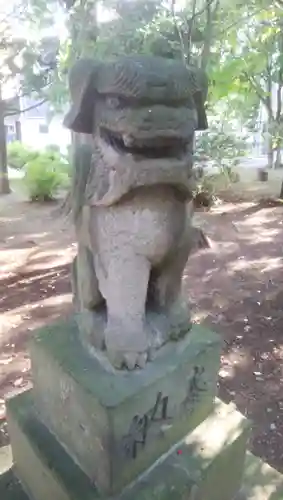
(82, 86)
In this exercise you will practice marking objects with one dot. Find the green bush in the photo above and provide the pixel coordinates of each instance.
(53, 148)
(45, 171)
(44, 176)
(62, 161)
(19, 155)
(220, 148)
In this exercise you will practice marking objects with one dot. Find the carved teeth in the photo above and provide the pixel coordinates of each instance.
(142, 359)
(128, 141)
(130, 360)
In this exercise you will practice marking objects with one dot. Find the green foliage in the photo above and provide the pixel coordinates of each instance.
(220, 149)
(42, 180)
(251, 60)
(233, 42)
(211, 183)
(44, 176)
(220, 145)
(18, 154)
(136, 27)
(31, 57)
(27, 63)
(45, 171)
(52, 148)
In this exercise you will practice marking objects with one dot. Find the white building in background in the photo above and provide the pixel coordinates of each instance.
(37, 127)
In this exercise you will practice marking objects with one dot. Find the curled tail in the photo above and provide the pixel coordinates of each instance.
(75, 198)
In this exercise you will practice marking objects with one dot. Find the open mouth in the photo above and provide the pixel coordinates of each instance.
(146, 148)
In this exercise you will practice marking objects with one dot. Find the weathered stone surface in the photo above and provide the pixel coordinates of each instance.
(11, 487)
(43, 464)
(205, 465)
(44, 468)
(129, 199)
(116, 424)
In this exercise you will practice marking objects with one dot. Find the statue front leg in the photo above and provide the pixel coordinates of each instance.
(126, 336)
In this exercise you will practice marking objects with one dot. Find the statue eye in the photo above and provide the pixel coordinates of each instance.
(113, 102)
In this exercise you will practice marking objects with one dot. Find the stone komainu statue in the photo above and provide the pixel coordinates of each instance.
(129, 197)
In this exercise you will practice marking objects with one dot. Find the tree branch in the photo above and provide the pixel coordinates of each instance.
(258, 90)
(190, 26)
(67, 4)
(210, 15)
(201, 11)
(241, 21)
(184, 50)
(20, 111)
(189, 23)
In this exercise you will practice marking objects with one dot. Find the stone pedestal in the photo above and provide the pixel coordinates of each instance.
(86, 432)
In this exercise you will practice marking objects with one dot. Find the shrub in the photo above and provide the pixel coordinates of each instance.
(45, 171)
(19, 154)
(44, 175)
(53, 148)
(219, 148)
(62, 161)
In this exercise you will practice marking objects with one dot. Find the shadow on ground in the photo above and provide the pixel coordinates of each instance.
(28, 299)
(237, 289)
(35, 254)
(29, 287)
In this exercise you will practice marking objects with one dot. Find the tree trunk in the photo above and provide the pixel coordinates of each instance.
(270, 152)
(278, 157)
(211, 14)
(4, 180)
(18, 131)
(270, 148)
(279, 101)
(268, 104)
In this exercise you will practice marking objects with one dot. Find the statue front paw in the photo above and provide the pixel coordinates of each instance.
(127, 359)
(126, 345)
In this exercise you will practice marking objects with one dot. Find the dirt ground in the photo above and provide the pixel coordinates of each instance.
(235, 287)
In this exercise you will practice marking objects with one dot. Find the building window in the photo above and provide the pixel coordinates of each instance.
(43, 128)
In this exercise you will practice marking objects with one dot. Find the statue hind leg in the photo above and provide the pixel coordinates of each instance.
(87, 299)
(165, 290)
